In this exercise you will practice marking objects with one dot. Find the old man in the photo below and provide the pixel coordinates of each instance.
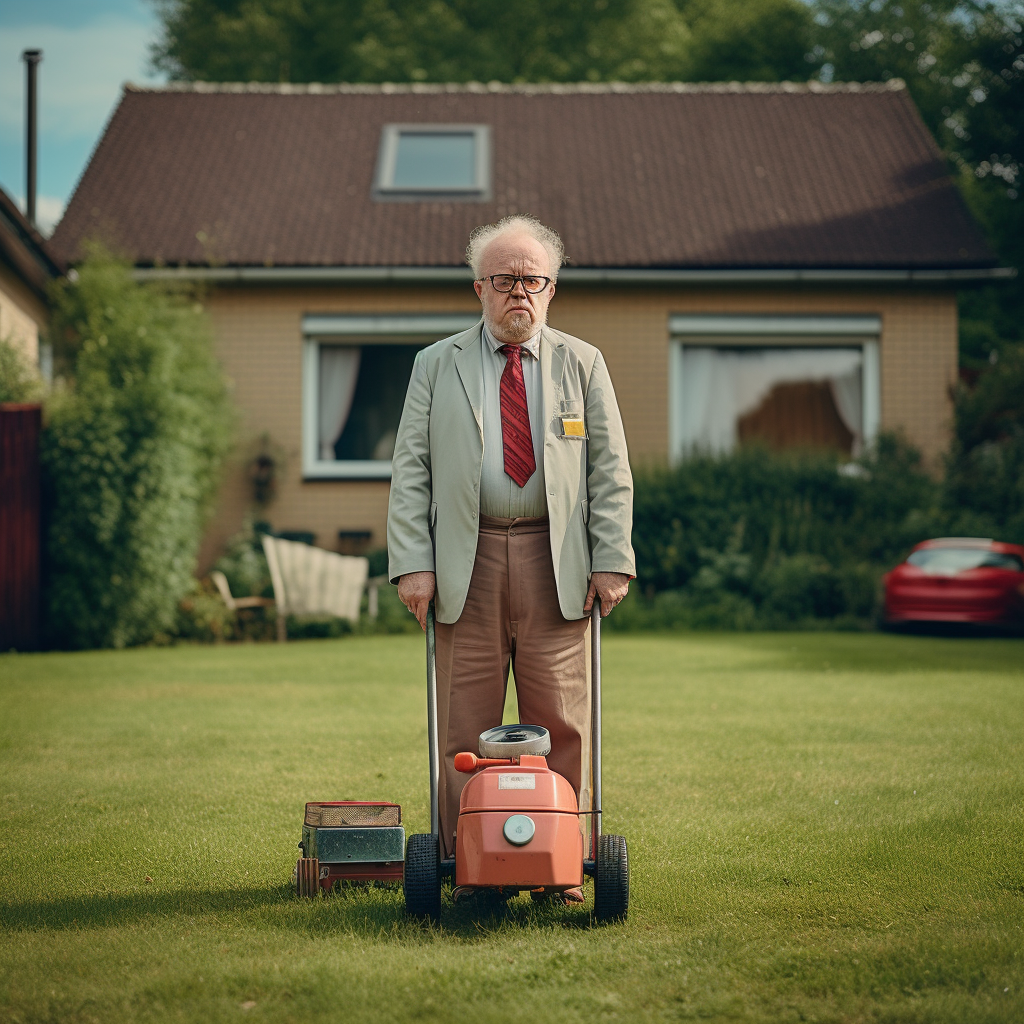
(511, 507)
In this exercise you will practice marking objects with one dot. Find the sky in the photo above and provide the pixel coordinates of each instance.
(90, 49)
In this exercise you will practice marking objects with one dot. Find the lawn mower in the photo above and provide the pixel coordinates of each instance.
(519, 825)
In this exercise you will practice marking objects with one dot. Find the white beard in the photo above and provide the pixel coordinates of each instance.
(513, 329)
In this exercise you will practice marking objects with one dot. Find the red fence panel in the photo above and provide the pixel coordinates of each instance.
(19, 526)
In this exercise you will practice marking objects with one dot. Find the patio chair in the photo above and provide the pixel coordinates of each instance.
(234, 603)
(311, 581)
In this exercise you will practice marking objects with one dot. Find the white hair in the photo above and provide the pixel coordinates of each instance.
(517, 223)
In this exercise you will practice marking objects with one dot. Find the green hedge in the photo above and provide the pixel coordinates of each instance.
(131, 456)
(771, 505)
(761, 539)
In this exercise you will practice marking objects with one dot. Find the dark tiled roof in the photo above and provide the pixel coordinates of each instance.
(24, 249)
(734, 176)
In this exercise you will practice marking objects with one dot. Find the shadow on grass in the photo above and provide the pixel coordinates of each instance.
(98, 910)
(957, 630)
(366, 911)
(381, 914)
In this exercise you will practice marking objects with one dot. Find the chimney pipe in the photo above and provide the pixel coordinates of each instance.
(31, 59)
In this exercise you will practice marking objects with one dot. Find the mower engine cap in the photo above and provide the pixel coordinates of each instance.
(515, 740)
(519, 829)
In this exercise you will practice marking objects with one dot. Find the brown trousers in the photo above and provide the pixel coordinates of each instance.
(511, 617)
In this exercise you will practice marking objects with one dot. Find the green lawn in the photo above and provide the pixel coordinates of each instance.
(822, 827)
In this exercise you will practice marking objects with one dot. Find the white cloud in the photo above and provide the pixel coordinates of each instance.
(80, 77)
(49, 210)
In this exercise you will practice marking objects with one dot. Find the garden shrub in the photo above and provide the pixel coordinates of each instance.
(784, 503)
(203, 617)
(244, 562)
(760, 539)
(19, 382)
(797, 587)
(131, 456)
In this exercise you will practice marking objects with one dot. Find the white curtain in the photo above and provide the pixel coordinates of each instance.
(721, 385)
(848, 394)
(339, 370)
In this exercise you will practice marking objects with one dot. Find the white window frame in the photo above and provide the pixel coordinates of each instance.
(768, 331)
(383, 183)
(359, 329)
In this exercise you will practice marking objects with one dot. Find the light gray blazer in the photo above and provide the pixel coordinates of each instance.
(434, 508)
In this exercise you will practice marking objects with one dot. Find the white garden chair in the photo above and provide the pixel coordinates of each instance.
(312, 581)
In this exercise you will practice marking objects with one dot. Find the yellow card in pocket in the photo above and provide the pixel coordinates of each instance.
(572, 426)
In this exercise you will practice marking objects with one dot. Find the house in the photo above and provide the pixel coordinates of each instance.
(26, 269)
(755, 261)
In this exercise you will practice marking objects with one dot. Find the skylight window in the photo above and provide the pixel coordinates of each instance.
(434, 162)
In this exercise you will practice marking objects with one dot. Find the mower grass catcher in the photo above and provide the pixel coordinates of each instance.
(349, 840)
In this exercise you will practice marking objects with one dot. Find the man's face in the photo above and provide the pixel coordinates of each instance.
(514, 317)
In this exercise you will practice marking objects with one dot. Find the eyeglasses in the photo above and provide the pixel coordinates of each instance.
(506, 282)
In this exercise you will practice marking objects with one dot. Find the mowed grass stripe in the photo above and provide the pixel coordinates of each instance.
(821, 826)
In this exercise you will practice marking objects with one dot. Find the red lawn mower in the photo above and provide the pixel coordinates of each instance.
(519, 826)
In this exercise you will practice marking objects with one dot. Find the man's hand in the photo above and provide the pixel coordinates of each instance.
(611, 587)
(416, 591)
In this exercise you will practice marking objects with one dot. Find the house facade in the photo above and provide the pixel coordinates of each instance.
(772, 263)
(26, 269)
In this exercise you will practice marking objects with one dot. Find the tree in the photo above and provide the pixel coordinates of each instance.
(963, 63)
(984, 486)
(475, 40)
(131, 456)
(749, 41)
(410, 41)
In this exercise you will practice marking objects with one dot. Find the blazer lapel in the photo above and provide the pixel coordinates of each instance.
(470, 366)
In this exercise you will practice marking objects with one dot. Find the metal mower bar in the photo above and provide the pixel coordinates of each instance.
(590, 863)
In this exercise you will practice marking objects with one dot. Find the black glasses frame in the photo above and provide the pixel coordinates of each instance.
(521, 279)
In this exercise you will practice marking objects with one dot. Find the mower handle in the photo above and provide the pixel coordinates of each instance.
(434, 757)
(595, 723)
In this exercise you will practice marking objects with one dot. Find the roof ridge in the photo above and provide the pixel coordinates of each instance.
(538, 88)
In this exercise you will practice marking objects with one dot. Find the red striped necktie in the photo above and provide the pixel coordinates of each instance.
(515, 418)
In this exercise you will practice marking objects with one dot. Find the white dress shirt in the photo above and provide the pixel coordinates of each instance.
(500, 495)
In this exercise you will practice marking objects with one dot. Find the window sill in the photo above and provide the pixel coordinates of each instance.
(364, 469)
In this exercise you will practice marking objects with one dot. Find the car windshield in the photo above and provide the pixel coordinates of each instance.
(947, 561)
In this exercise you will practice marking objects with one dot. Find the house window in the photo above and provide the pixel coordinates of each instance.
(355, 375)
(419, 162)
(784, 381)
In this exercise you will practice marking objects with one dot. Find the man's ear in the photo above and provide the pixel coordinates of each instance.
(478, 287)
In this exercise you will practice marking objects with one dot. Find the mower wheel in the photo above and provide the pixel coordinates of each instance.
(423, 878)
(611, 880)
(307, 877)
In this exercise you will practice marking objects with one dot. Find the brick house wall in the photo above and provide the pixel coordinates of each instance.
(259, 340)
(22, 315)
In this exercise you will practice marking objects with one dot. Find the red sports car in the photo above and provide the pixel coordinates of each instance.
(958, 579)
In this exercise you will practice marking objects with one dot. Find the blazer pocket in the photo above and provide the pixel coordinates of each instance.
(572, 420)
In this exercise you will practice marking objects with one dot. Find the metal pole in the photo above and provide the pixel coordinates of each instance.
(435, 825)
(595, 722)
(31, 59)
